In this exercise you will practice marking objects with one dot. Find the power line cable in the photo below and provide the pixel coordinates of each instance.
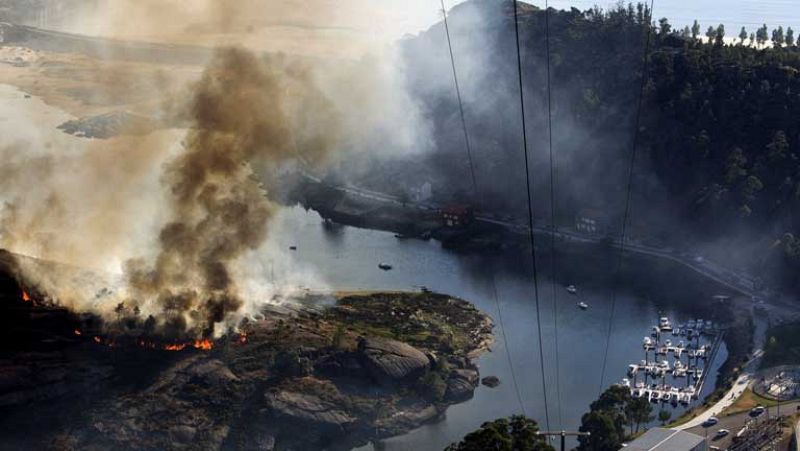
(530, 214)
(552, 211)
(645, 65)
(476, 193)
(460, 103)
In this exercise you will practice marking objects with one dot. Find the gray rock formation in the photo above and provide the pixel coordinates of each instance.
(307, 408)
(392, 361)
(461, 385)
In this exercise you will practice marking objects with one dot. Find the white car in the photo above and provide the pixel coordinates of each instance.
(722, 433)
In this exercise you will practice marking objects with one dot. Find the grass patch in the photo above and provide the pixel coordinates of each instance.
(783, 346)
(747, 401)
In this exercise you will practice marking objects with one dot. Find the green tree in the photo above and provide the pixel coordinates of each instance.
(695, 29)
(686, 32)
(752, 39)
(761, 35)
(603, 433)
(789, 37)
(607, 418)
(742, 36)
(614, 398)
(735, 165)
(777, 37)
(777, 147)
(711, 33)
(638, 411)
(702, 142)
(752, 186)
(664, 27)
(720, 35)
(663, 416)
(515, 434)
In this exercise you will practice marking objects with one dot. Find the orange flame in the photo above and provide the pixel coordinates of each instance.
(77, 332)
(243, 338)
(25, 296)
(204, 344)
(175, 347)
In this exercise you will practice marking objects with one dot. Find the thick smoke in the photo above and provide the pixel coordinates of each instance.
(175, 220)
(219, 210)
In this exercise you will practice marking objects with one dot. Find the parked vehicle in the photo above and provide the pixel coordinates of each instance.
(710, 422)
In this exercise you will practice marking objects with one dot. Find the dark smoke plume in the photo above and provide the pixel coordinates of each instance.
(240, 116)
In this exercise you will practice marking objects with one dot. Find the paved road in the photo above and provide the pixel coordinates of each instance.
(742, 382)
(737, 281)
(735, 423)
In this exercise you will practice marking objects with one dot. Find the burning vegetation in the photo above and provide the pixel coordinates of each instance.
(219, 211)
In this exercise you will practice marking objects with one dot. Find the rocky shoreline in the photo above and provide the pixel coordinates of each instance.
(326, 373)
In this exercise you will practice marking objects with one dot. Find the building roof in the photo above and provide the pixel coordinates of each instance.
(660, 439)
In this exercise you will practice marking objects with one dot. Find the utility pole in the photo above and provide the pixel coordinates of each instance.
(563, 435)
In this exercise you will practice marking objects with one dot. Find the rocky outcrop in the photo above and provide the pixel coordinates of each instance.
(392, 361)
(309, 409)
(189, 405)
(491, 381)
(461, 384)
(302, 379)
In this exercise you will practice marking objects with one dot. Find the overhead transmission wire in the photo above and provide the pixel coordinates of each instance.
(626, 213)
(530, 215)
(553, 265)
(477, 194)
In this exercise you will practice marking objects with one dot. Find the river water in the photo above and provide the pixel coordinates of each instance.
(347, 258)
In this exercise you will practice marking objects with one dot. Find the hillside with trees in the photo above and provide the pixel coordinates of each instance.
(716, 167)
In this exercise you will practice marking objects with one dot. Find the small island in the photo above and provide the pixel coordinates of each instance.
(309, 375)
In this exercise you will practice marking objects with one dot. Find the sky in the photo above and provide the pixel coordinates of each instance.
(353, 28)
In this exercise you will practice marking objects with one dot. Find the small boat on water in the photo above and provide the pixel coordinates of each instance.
(582, 305)
(384, 266)
(664, 324)
(572, 289)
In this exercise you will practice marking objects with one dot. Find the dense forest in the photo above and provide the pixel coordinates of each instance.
(716, 166)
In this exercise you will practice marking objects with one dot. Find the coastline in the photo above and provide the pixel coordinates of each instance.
(638, 271)
(371, 366)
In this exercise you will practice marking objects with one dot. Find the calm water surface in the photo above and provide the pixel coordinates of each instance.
(347, 258)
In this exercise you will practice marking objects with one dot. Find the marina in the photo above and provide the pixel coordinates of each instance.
(692, 354)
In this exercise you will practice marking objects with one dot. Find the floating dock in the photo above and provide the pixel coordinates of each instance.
(690, 362)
